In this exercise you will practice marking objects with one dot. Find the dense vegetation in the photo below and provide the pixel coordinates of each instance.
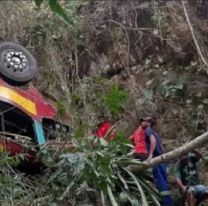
(115, 60)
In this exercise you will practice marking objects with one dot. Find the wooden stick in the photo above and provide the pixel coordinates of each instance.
(197, 142)
(194, 37)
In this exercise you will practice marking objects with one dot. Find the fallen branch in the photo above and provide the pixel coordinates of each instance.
(60, 145)
(111, 130)
(173, 155)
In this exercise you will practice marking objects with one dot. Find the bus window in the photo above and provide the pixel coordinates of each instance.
(14, 121)
(54, 130)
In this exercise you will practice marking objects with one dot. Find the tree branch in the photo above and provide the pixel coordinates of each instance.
(175, 154)
(194, 37)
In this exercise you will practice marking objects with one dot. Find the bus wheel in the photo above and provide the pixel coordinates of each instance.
(17, 64)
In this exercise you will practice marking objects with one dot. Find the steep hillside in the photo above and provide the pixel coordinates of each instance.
(148, 57)
(146, 47)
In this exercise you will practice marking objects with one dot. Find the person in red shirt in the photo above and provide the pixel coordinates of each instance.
(138, 139)
(102, 130)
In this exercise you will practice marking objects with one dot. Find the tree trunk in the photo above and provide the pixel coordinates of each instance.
(175, 154)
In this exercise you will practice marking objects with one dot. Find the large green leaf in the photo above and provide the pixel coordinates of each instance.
(91, 164)
(151, 191)
(141, 191)
(115, 99)
(111, 196)
(123, 181)
(102, 198)
(56, 8)
(67, 190)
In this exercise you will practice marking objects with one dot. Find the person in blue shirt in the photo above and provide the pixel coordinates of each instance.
(155, 149)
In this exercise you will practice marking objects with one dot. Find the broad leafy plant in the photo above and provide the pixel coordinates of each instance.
(58, 9)
(115, 99)
(98, 170)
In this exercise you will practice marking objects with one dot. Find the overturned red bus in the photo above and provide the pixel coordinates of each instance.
(25, 117)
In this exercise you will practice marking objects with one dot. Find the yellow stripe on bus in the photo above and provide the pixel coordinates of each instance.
(1, 147)
(23, 102)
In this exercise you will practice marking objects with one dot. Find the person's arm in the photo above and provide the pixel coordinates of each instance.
(112, 136)
(131, 137)
(177, 175)
(152, 146)
(180, 184)
(135, 133)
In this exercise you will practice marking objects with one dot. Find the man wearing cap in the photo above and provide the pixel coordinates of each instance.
(155, 149)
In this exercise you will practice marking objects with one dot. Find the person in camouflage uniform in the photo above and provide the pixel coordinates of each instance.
(187, 178)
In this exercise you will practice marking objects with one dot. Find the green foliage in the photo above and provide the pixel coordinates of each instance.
(80, 131)
(121, 145)
(15, 187)
(94, 99)
(100, 167)
(159, 17)
(184, 91)
(57, 8)
(115, 99)
(173, 89)
(60, 107)
(168, 83)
